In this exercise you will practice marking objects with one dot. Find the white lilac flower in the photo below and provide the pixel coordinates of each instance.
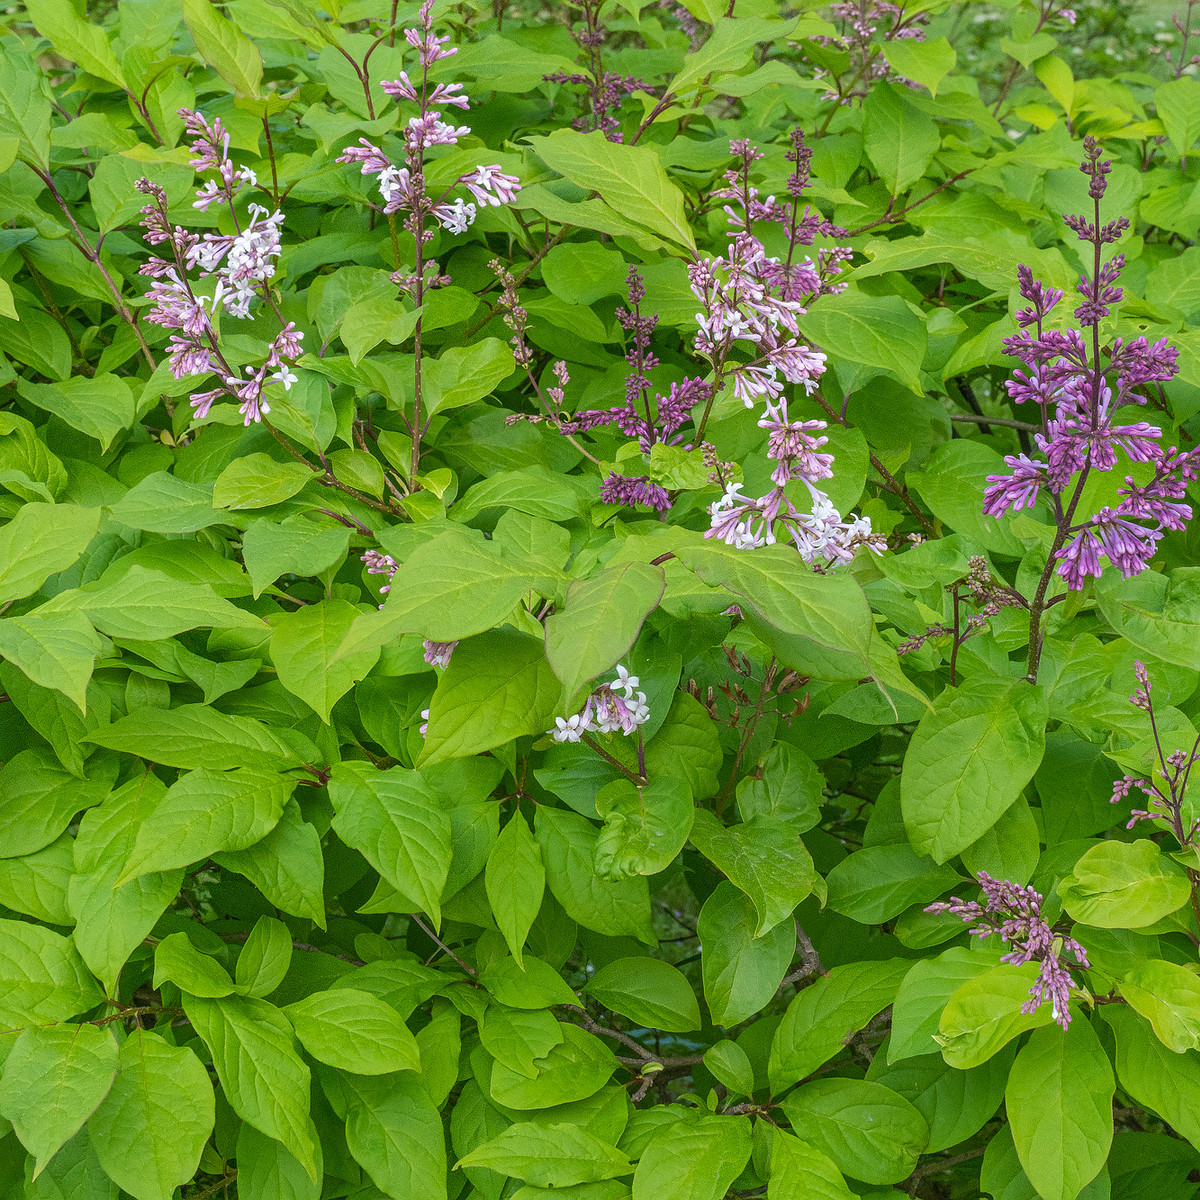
(456, 217)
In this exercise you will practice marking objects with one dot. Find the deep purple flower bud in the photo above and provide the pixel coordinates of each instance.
(633, 490)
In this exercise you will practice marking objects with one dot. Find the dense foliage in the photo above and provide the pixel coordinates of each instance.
(598, 600)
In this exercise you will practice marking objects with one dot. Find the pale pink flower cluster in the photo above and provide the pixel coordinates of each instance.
(740, 303)
(614, 707)
(403, 187)
(240, 264)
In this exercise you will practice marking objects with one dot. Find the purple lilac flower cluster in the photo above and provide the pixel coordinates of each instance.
(606, 90)
(1015, 913)
(402, 188)
(636, 418)
(614, 707)
(1068, 378)
(240, 264)
(1167, 790)
(750, 297)
(859, 21)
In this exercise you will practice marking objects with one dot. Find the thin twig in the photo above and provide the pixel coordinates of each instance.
(1009, 422)
(470, 970)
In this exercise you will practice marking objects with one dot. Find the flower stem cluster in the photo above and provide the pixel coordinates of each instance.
(240, 266)
(748, 297)
(613, 707)
(1015, 913)
(1166, 790)
(606, 90)
(1080, 390)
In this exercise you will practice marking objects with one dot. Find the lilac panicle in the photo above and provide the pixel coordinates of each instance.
(1079, 395)
(748, 298)
(402, 188)
(1015, 913)
(240, 265)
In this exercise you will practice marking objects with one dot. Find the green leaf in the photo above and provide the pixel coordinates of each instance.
(830, 610)
(224, 47)
(878, 883)
(36, 884)
(295, 546)
(286, 866)
(73, 1171)
(1124, 885)
(533, 984)
(451, 587)
(924, 992)
(116, 201)
(197, 974)
(685, 754)
(463, 374)
(600, 621)
(394, 818)
(304, 649)
(800, 1169)
(1059, 1103)
(575, 1069)
(111, 921)
(731, 1066)
(54, 652)
(1168, 996)
(899, 139)
(693, 1160)
(39, 541)
(785, 784)
(54, 1079)
(554, 1156)
(354, 1031)
(395, 1132)
(820, 1019)
(263, 1077)
(42, 977)
(968, 761)
(927, 63)
(727, 48)
(568, 850)
(629, 178)
(497, 687)
(265, 958)
(102, 406)
(207, 811)
(644, 827)
(952, 484)
(1165, 1082)
(518, 1038)
(765, 858)
(649, 992)
(1159, 614)
(869, 1131)
(532, 490)
(144, 604)
(76, 39)
(193, 736)
(25, 105)
(257, 481)
(267, 1170)
(164, 503)
(984, 1014)
(375, 319)
(151, 1128)
(742, 973)
(515, 880)
(1178, 104)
